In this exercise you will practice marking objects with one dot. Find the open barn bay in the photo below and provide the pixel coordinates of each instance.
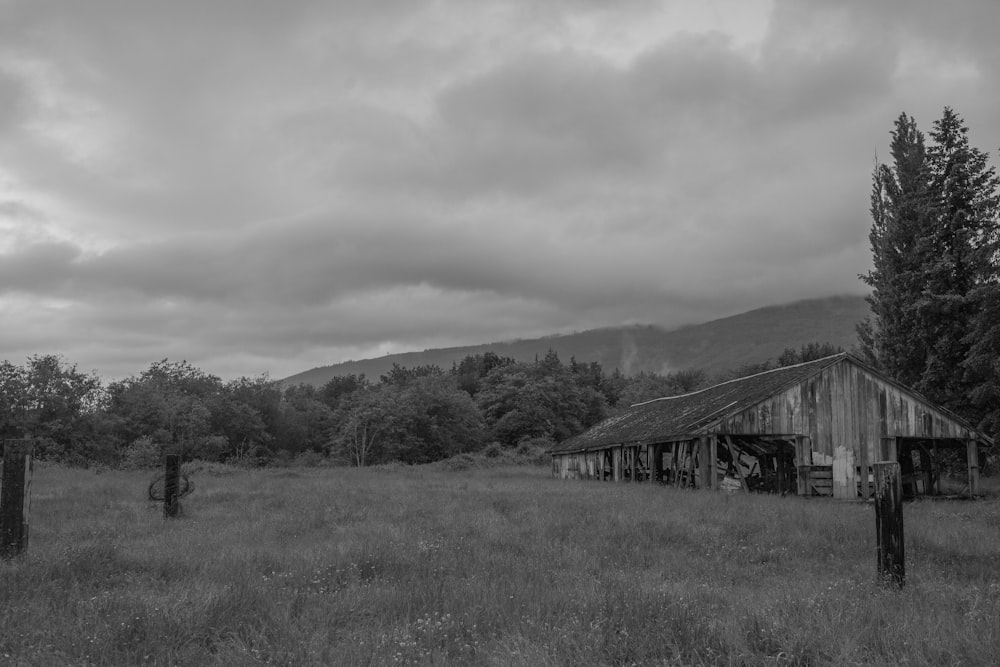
(494, 566)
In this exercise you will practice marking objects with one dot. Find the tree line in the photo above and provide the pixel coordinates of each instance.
(935, 243)
(412, 415)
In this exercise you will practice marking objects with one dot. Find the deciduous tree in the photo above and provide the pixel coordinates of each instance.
(542, 399)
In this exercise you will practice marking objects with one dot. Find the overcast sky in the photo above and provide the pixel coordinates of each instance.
(265, 186)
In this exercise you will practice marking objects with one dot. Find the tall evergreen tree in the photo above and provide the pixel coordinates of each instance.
(958, 257)
(901, 210)
(982, 365)
(934, 247)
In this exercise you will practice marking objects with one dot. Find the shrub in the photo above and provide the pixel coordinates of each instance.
(282, 459)
(308, 459)
(459, 462)
(47, 449)
(210, 468)
(252, 456)
(143, 453)
(534, 451)
(529, 446)
(210, 448)
(388, 466)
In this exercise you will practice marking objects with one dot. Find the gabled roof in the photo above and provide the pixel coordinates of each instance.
(680, 417)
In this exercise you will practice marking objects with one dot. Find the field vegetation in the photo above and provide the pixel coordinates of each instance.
(461, 562)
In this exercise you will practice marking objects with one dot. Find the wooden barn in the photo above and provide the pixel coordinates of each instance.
(811, 429)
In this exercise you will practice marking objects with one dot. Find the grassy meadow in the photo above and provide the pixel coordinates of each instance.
(485, 566)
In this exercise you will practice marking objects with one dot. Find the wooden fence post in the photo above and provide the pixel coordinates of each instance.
(15, 497)
(172, 486)
(889, 523)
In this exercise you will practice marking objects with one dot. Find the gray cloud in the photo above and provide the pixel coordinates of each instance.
(13, 101)
(271, 186)
(37, 268)
(20, 211)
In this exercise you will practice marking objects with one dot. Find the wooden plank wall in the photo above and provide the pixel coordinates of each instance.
(845, 411)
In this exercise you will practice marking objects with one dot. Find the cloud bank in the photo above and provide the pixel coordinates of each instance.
(259, 186)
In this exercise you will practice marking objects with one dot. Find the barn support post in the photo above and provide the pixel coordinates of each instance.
(736, 464)
(973, 454)
(890, 451)
(15, 497)
(676, 459)
(863, 468)
(926, 469)
(803, 463)
(779, 471)
(616, 463)
(655, 461)
(713, 462)
(692, 460)
(685, 448)
(706, 464)
(889, 523)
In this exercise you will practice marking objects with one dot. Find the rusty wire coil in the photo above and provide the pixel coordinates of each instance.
(158, 487)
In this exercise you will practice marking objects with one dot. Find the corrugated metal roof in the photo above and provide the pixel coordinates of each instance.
(673, 417)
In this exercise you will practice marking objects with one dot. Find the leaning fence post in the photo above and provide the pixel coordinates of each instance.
(889, 522)
(15, 497)
(171, 486)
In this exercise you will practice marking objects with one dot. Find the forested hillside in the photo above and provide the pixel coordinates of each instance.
(714, 347)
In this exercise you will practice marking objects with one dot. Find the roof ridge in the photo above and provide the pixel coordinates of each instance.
(741, 379)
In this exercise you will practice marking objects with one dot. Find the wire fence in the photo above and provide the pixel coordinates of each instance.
(158, 488)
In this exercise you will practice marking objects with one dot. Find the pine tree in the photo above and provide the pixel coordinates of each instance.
(982, 365)
(934, 241)
(901, 210)
(958, 260)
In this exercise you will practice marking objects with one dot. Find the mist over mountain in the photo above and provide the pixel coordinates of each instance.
(715, 346)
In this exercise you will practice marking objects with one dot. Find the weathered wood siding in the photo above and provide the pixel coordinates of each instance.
(845, 411)
(579, 465)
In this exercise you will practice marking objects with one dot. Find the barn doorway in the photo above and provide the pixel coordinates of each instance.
(936, 467)
(758, 463)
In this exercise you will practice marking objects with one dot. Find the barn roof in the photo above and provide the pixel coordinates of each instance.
(680, 417)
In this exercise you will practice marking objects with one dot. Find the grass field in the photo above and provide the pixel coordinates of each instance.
(501, 566)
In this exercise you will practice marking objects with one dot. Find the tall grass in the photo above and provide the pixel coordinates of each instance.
(503, 566)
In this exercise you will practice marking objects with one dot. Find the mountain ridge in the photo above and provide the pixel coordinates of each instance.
(715, 346)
